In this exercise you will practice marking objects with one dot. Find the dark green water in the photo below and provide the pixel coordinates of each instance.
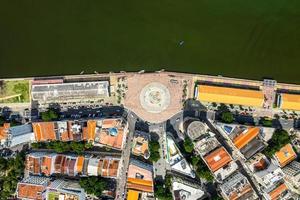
(238, 38)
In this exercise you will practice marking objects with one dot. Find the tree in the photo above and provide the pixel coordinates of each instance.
(266, 122)
(162, 189)
(13, 168)
(93, 185)
(49, 115)
(78, 147)
(202, 170)
(278, 140)
(154, 148)
(227, 117)
(188, 145)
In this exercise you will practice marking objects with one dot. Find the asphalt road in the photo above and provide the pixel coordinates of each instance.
(121, 181)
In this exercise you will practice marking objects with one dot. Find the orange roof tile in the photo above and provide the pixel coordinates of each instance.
(217, 159)
(33, 164)
(244, 138)
(110, 140)
(4, 131)
(80, 161)
(91, 125)
(275, 194)
(65, 136)
(84, 133)
(30, 191)
(109, 123)
(113, 168)
(105, 167)
(140, 184)
(285, 155)
(44, 131)
(46, 165)
(236, 196)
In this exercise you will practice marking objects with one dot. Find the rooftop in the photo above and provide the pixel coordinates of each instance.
(108, 132)
(140, 144)
(140, 176)
(206, 144)
(229, 95)
(290, 101)
(183, 191)
(278, 192)
(32, 187)
(285, 155)
(66, 91)
(246, 136)
(217, 159)
(44, 131)
(4, 131)
(237, 187)
(195, 129)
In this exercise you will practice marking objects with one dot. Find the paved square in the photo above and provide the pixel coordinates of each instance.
(154, 97)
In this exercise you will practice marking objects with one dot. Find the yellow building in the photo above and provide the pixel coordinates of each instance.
(289, 101)
(227, 95)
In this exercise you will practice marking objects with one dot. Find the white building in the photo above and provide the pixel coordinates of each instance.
(64, 92)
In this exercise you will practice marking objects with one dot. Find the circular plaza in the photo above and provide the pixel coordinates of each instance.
(155, 97)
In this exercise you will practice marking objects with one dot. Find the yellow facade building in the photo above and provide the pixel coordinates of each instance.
(227, 95)
(289, 101)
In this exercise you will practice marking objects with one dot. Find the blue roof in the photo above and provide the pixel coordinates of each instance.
(21, 130)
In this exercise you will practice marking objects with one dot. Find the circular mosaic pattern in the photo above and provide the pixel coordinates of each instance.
(155, 97)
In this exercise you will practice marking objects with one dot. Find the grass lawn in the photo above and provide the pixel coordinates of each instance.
(238, 38)
(14, 91)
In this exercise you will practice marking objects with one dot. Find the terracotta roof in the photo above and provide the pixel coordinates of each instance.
(46, 165)
(229, 95)
(29, 191)
(84, 133)
(4, 131)
(239, 195)
(105, 167)
(113, 168)
(285, 155)
(261, 164)
(33, 165)
(65, 136)
(244, 138)
(44, 131)
(290, 101)
(80, 161)
(110, 140)
(91, 125)
(110, 123)
(275, 194)
(217, 159)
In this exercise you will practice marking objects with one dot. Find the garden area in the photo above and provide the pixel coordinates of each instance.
(14, 91)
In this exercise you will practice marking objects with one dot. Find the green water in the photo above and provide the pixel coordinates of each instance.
(238, 38)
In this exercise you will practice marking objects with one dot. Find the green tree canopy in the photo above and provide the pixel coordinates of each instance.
(162, 189)
(154, 148)
(188, 145)
(49, 115)
(227, 117)
(93, 185)
(278, 140)
(202, 170)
